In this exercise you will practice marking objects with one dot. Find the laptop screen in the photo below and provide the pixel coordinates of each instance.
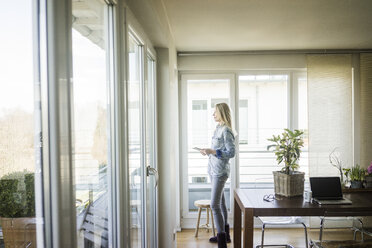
(323, 187)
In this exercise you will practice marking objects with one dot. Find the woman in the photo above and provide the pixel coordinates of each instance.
(223, 148)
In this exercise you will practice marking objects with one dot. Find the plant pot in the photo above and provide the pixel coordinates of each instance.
(289, 185)
(356, 184)
(19, 232)
(369, 182)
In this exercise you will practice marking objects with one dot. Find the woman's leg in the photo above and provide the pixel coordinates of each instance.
(224, 209)
(225, 217)
(218, 184)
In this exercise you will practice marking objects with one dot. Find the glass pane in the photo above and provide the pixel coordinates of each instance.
(202, 95)
(134, 142)
(262, 113)
(91, 157)
(150, 152)
(20, 129)
(150, 111)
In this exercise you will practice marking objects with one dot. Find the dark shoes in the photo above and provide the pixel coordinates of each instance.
(227, 231)
(221, 240)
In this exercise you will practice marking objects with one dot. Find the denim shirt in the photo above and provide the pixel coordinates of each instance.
(223, 141)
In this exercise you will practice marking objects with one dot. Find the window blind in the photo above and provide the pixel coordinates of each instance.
(329, 112)
(366, 109)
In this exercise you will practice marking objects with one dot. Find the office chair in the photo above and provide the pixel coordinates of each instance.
(357, 228)
(275, 221)
(329, 215)
(272, 221)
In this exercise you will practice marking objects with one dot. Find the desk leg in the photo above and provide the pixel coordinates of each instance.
(237, 225)
(248, 228)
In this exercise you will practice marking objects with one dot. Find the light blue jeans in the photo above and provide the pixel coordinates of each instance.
(218, 204)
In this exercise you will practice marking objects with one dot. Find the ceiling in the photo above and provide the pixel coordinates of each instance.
(244, 25)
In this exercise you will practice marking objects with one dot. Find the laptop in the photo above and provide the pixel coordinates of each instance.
(327, 190)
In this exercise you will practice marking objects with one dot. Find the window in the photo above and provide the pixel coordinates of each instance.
(91, 121)
(134, 141)
(20, 127)
(268, 102)
(202, 93)
(263, 112)
(151, 148)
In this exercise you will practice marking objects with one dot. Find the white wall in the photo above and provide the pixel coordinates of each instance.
(167, 144)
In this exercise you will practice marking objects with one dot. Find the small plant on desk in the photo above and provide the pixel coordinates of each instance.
(335, 160)
(369, 177)
(355, 175)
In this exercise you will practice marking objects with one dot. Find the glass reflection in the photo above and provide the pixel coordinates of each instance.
(20, 126)
(91, 153)
(134, 142)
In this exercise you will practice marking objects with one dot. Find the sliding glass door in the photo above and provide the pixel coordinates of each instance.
(142, 145)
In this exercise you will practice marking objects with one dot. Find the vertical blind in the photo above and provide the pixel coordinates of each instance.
(366, 108)
(329, 112)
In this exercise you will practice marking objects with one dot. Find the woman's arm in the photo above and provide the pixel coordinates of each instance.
(229, 150)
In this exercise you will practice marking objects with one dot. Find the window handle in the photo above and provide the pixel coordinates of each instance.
(153, 172)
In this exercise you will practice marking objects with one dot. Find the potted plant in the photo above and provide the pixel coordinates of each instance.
(368, 178)
(17, 209)
(288, 182)
(355, 175)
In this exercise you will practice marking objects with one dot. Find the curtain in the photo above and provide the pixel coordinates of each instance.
(366, 109)
(329, 112)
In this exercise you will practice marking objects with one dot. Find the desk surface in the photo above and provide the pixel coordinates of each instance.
(284, 206)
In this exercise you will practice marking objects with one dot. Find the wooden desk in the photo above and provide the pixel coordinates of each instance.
(250, 202)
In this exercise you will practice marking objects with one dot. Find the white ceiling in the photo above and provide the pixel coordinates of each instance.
(240, 25)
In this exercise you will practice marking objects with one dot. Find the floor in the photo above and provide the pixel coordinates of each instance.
(293, 236)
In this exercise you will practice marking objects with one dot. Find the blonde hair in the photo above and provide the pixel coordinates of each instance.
(223, 111)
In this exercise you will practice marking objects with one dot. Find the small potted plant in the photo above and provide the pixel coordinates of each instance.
(368, 178)
(288, 181)
(17, 209)
(355, 175)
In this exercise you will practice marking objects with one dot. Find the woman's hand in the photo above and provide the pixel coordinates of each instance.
(207, 151)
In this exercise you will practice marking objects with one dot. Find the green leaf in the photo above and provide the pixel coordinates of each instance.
(288, 148)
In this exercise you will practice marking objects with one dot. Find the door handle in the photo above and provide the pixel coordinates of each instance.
(153, 172)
